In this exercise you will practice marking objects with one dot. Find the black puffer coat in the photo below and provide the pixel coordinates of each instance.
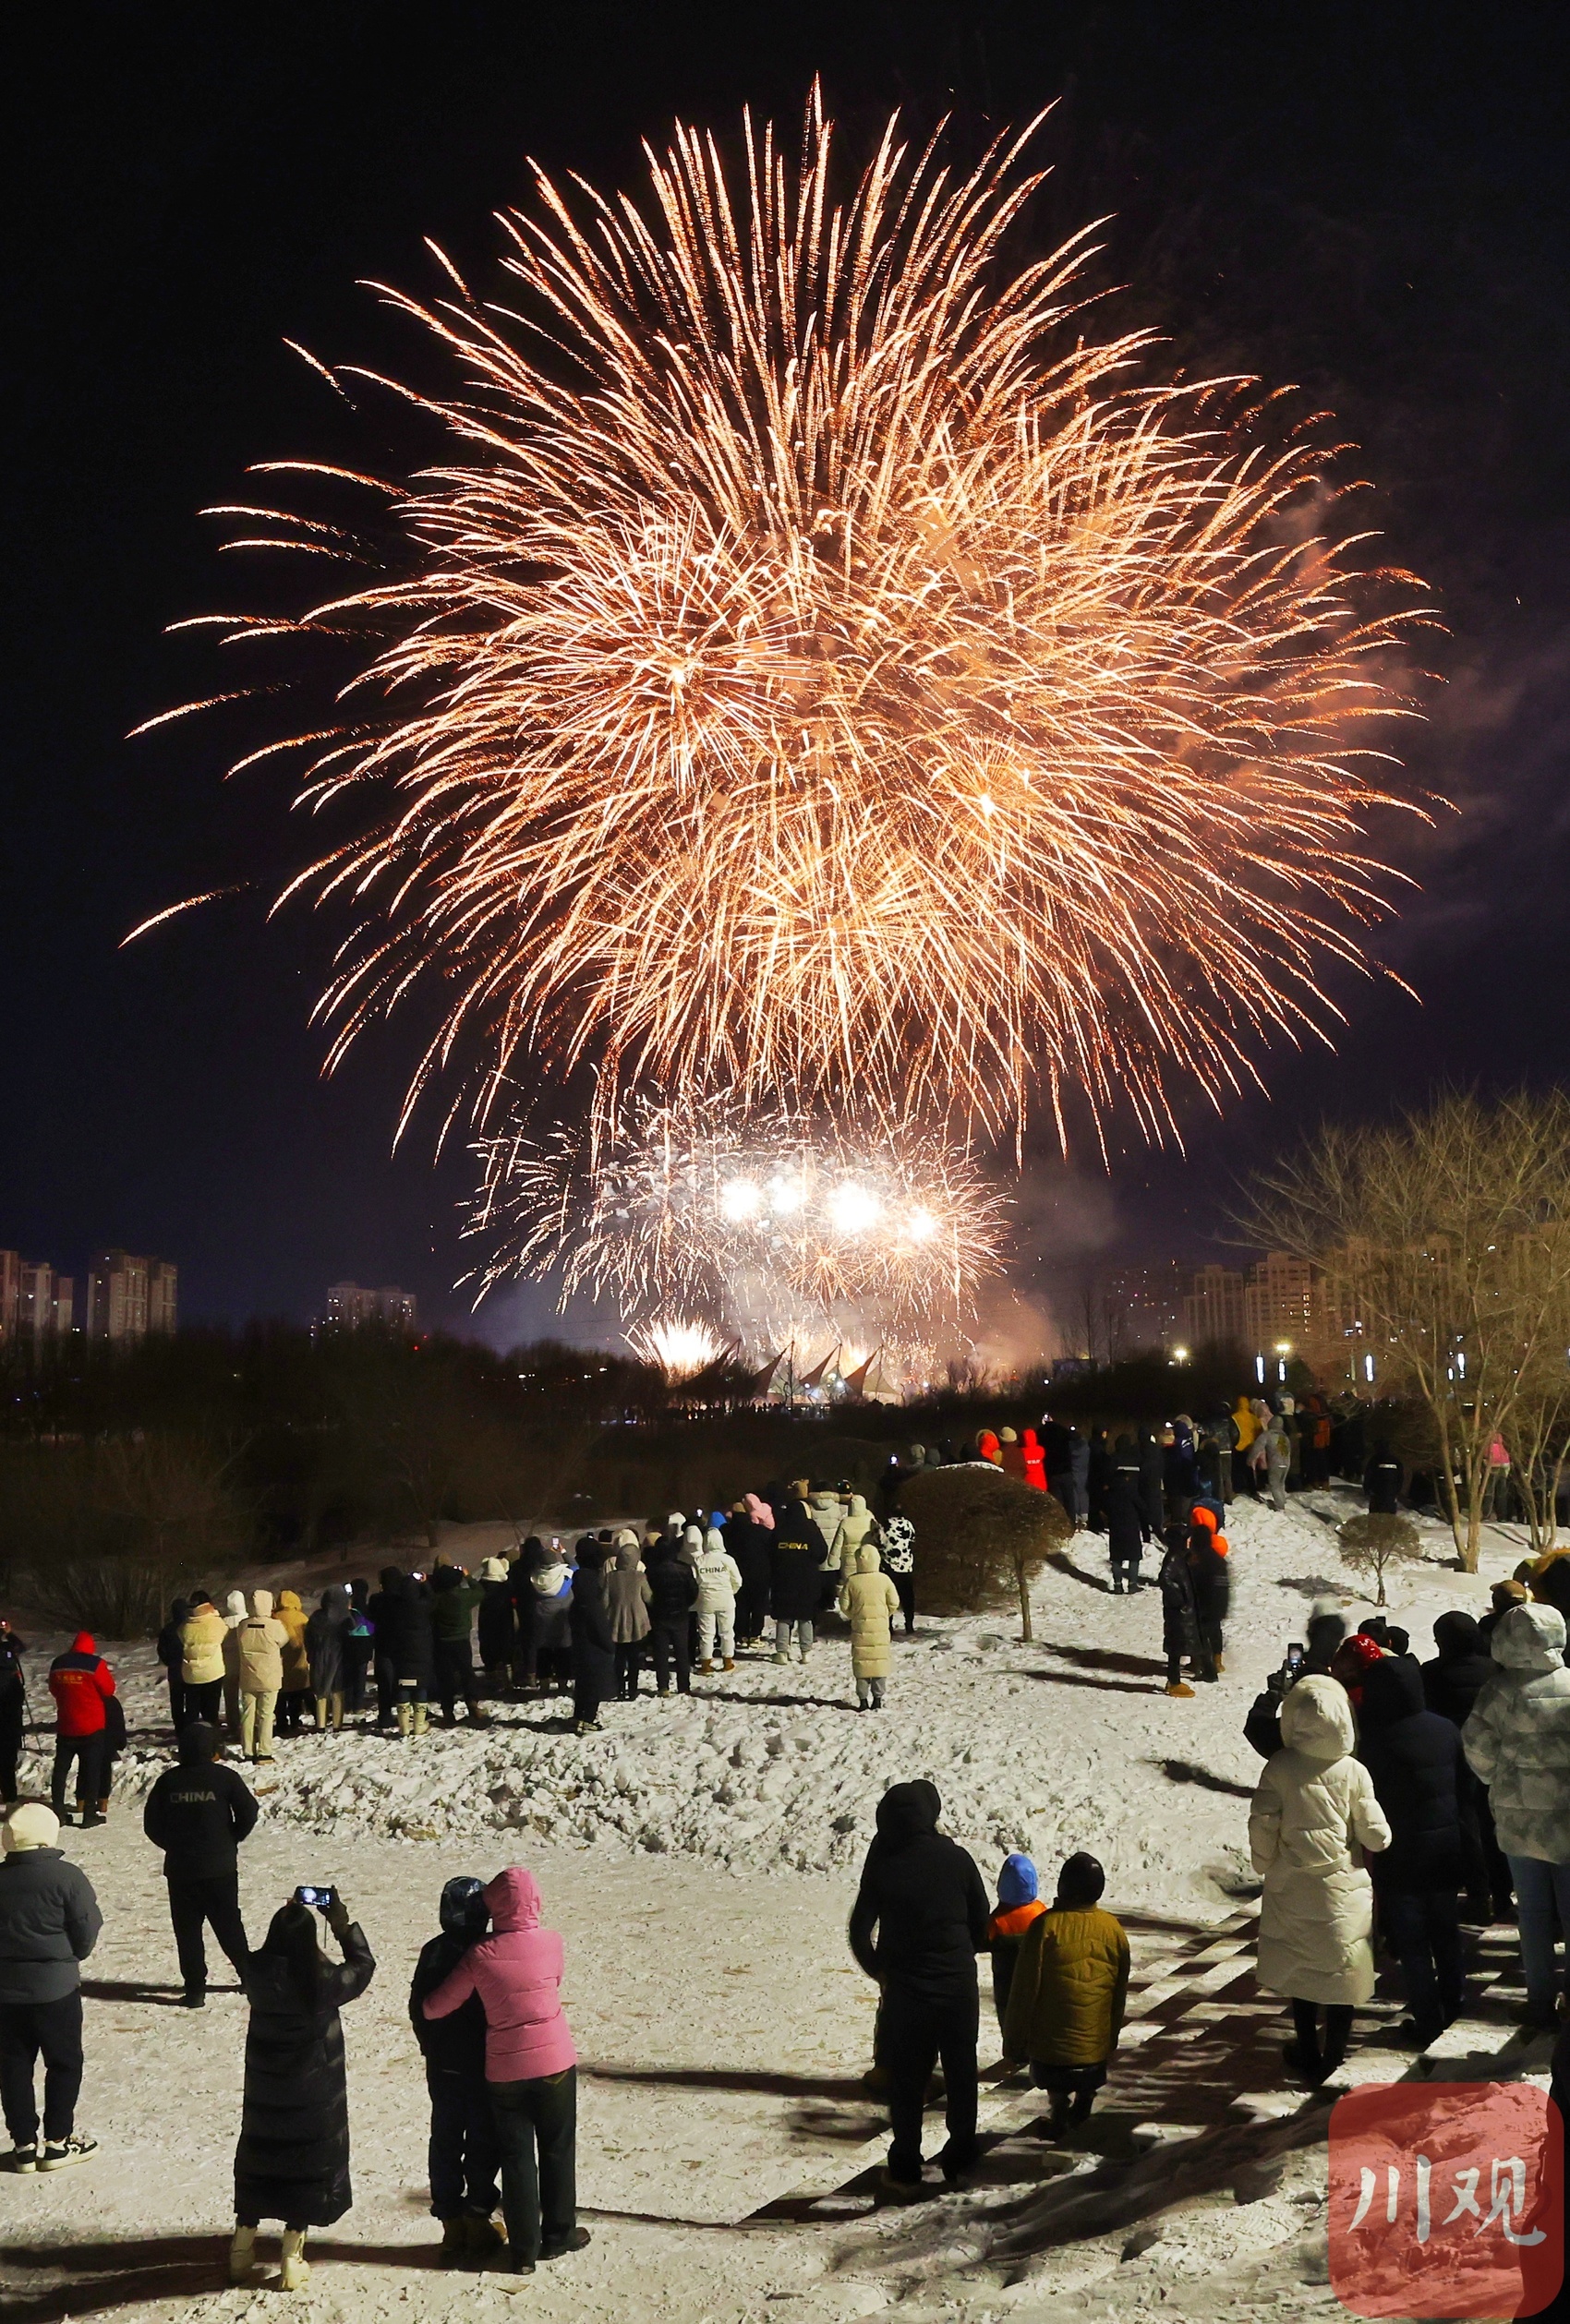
(1415, 1759)
(401, 1610)
(1453, 1681)
(672, 1585)
(1127, 1525)
(496, 1630)
(292, 2160)
(325, 1635)
(1180, 1622)
(922, 1895)
(593, 1657)
(796, 1564)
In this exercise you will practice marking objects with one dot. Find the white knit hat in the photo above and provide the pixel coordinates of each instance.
(29, 1825)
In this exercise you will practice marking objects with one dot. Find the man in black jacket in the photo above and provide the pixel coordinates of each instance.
(49, 1924)
(465, 2156)
(198, 1814)
(922, 1896)
(672, 1590)
(1263, 1726)
(1415, 1759)
(796, 1561)
(1451, 1685)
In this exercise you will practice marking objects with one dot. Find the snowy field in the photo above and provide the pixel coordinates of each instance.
(700, 1858)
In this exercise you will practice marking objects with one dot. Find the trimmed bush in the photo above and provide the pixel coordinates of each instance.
(980, 1538)
(1371, 1543)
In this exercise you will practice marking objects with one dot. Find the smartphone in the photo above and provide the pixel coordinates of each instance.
(1295, 1656)
(323, 1898)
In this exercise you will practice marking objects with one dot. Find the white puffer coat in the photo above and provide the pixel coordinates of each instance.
(719, 1577)
(827, 1514)
(1517, 1738)
(859, 1526)
(1312, 1817)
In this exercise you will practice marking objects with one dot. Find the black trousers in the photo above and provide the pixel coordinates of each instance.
(1423, 1930)
(464, 2154)
(536, 2128)
(86, 1752)
(28, 2028)
(356, 1655)
(289, 1717)
(12, 1713)
(176, 1699)
(589, 1688)
(1337, 2034)
(667, 1639)
(205, 1702)
(629, 1662)
(454, 1675)
(215, 1901)
(905, 1590)
(914, 2031)
(386, 1689)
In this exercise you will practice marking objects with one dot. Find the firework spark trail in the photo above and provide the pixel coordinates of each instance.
(815, 670)
(760, 1222)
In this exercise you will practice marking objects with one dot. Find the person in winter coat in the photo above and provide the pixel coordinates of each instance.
(1153, 1468)
(1414, 1756)
(464, 2155)
(718, 1578)
(1068, 1995)
(1010, 1455)
(530, 2067)
(860, 1525)
(594, 1654)
(359, 1645)
(1517, 1739)
(203, 1635)
(1323, 1636)
(1382, 1481)
(748, 1531)
(1128, 1527)
(294, 1692)
(1277, 1458)
(1207, 1554)
(918, 1922)
(495, 1623)
(171, 1654)
(1018, 1905)
(898, 1556)
(827, 1514)
(1452, 1684)
(1080, 1477)
(1100, 1477)
(49, 1924)
(406, 1635)
(234, 1613)
(870, 1602)
(1181, 1637)
(1032, 1461)
(454, 1598)
(673, 1593)
(550, 1589)
(13, 1708)
(198, 1813)
(800, 1555)
(261, 1643)
(292, 2163)
(627, 1600)
(1313, 1814)
(327, 1634)
(81, 1682)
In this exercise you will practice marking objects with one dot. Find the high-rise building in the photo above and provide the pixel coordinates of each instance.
(1282, 1305)
(351, 1305)
(1216, 1307)
(129, 1297)
(34, 1298)
(10, 1294)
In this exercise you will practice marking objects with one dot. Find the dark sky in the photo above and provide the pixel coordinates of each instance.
(1368, 200)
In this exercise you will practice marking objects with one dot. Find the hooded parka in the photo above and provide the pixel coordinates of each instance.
(202, 1647)
(292, 2160)
(260, 1642)
(1313, 1814)
(1517, 1738)
(627, 1596)
(870, 1601)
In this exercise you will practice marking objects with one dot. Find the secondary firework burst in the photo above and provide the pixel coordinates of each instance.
(815, 662)
(764, 1225)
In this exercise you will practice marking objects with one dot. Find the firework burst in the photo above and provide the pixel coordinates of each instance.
(766, 1224)
(813, 667)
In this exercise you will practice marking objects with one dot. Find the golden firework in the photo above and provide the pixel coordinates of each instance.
(815, 668)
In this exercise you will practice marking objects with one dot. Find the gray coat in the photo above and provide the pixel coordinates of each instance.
(49, 1921)
(1517, 1738)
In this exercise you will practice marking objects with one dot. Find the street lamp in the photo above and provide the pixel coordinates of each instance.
(1283, 1350)
(1179, 1355)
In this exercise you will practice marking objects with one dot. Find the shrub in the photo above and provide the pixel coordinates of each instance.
(980, 1538)
(114, 1597)
(1371, 1543)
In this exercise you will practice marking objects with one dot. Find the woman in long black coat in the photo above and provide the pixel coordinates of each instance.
(594, 1650)
(292, 2160)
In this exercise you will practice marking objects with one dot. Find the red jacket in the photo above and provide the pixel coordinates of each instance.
(81, 1682)
(1035, 1466)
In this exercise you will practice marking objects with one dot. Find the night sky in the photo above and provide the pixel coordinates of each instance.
(1370, 201)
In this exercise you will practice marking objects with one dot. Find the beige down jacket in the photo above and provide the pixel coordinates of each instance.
(202, 1647)
(1312, 1817)
(261, 1645)
(870, 1601)
(859, 1529)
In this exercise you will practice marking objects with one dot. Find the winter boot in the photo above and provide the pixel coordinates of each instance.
(731, 1665)
(1176, 1686)
(1220, 1663)
(321, 1714)
(479, 1715)
(242, 2255)
(782, 1657)
(454, 2242)
(405, 1714)
(296, 2267)
(486, 2240)
(421, 1715)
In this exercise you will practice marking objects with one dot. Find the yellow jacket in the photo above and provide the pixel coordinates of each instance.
(296, 1662)
(1247, 1426)
(1069, 1986)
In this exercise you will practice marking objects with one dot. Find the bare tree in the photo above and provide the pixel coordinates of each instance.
(1448, 1235)
(1371, 1543)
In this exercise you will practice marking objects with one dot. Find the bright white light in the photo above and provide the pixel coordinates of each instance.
(786, 1195)
(851, 1208)
(1179, 1355)
(1259, 1369)
(740, 1199)
(681, 1349)
(921, 1227)
(1368, 1367)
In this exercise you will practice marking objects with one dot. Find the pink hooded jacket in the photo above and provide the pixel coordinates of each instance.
(516, 1971)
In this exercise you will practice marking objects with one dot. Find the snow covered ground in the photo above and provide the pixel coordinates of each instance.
(700, 1858)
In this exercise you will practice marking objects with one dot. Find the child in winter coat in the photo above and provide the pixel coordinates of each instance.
(1018, 1905)
(1067, 1994)
(871, 1601)
(720, 1578)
